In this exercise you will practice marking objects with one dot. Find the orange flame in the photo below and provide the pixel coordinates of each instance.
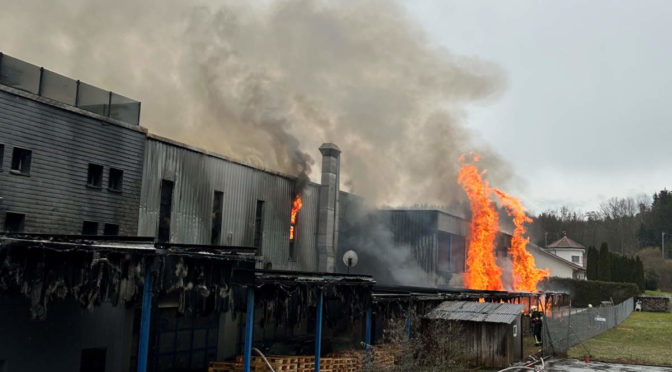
(482, 270)
(526, 275)
(296, 206)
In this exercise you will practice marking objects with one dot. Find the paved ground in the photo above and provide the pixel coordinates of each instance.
(573, 365)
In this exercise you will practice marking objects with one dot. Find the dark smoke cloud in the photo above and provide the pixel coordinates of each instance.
(267, 83)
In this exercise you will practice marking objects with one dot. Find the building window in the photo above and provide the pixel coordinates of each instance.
(116, 180)
(259, 226)
(2, 157)
(93, 360)
(216, 217)
(21, 161)
(292, 250)
(15, 222)
(95, 176)
(576, 259)
(90, 228)
(165, 210)
(111, 229)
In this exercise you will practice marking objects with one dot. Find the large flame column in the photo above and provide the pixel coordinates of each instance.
(482, 269)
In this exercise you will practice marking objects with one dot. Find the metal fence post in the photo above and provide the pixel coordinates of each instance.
(569, 322)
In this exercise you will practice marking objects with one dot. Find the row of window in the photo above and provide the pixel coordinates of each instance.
(21, 159)
(95, 178)
(15, 222)
(165, 211)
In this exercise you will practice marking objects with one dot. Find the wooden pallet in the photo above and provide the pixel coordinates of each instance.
(289, 364)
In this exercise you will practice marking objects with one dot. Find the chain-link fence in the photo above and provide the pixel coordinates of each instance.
(565, 327)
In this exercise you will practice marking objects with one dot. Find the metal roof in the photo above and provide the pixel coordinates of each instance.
(477, 312)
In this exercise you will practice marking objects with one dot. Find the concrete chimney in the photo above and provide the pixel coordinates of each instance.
(327, 223)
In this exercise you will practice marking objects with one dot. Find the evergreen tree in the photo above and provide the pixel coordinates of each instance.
(604, 264)
(591, 266)
(639, 270)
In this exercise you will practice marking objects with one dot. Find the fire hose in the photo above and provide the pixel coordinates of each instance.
(528, 367)
(264, 358)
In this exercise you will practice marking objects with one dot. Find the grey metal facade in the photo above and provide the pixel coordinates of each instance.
(64, 140)
(197, 175)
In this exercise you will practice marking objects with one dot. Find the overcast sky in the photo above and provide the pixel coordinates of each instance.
(587, 111)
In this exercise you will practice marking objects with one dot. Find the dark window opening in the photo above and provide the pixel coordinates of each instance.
(90, 228)
(2, 157)
(116, 180)
(443, 254)
(259, 226)
(111, 229)
(21, 161)
(165, 210)
(95, 176)
(216, 231)
(15, 222)
(292, 250)
(93, 360)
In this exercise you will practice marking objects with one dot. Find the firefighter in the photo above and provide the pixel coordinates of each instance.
(536, 317)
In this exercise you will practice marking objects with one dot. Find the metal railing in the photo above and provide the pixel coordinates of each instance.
(565, 327)
(22, 75)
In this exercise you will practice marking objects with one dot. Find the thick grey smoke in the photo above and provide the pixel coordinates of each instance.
(267, 83)
(382, 256)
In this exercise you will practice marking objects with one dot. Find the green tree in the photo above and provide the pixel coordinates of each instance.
(639, 274)
(604, 264)
(591, 266)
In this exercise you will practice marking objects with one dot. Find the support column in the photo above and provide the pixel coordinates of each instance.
(249, 330)
(145, 320)
(367, 338)
(318, 331)
(408, 326)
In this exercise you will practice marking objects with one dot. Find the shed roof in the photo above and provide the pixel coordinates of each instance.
(565, 242)
(477, 312)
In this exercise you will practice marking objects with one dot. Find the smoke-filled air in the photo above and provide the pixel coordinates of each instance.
(268, 82)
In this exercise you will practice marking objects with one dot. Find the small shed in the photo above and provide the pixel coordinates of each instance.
(491, 332)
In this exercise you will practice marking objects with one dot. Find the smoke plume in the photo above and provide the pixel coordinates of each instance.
(268, 82)
(389, 261)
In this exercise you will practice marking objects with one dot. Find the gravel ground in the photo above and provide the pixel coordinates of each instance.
(573, 365)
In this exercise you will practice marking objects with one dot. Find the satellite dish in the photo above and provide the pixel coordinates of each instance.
(350, 259)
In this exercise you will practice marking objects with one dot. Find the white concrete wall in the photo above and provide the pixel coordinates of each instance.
(557, 268)
(567, 254)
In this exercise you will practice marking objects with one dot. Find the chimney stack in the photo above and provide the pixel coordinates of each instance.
(327, 228)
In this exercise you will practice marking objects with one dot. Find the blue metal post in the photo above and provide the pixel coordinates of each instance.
(408, 326)
(143, 348)
(318, 332)
(249, 328)
(367, 336)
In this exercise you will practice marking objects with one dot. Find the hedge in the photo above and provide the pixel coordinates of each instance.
(584, 292)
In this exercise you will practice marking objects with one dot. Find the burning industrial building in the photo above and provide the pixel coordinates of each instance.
(219, 234)
(207, 234)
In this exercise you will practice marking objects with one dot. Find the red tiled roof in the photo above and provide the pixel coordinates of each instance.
(565, 242)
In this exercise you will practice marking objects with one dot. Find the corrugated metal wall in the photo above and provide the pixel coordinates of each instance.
(417, 229)
(55, 197)
(198, 175)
